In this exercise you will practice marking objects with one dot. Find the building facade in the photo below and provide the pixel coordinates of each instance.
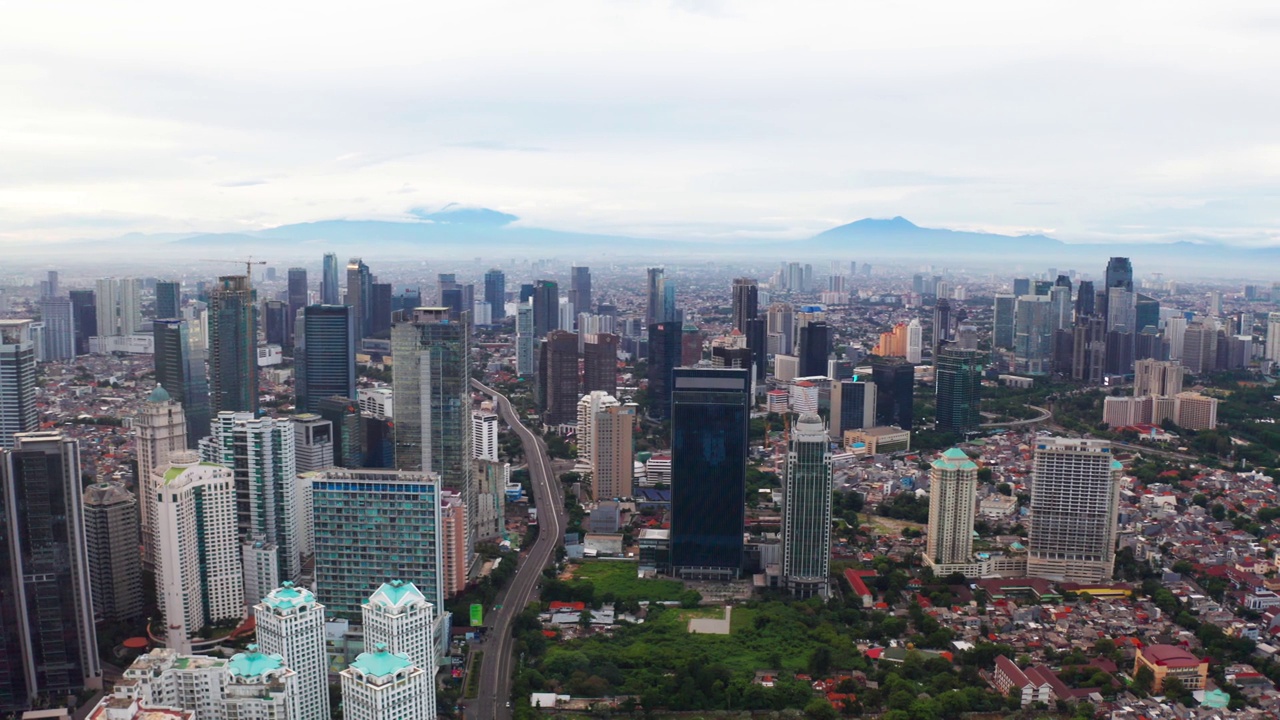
(953, 488)
(325, 355)
(290, 623)
(233, 352)
(18, 412)
(111, 539)
(806, 510)
(1075, 501)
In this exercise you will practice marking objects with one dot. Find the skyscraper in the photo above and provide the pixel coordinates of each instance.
(18, 412)
(580, 289)
(325, 357)
(1200, 347)
(1021, 286)
(298, 294)
(275, 325)
(111, 538)
(382, 685)
(359, 295)
(958, 388)
(107, 295)
(806, 510)
(895, 387)
(1075, 503)
(197, 557)
(329, 281)
(953, 488)
(710, 412)
(1033, 335)
(168, 299)
(290, 623)
(600, 363)
(654, 296)
(47, 636)
(853, 406)
(162, 431)
(664, 357)
(431, 379)
(941, 324)
(233, 346)
(371, 525)
(525, 337)
(495, 293)
(780, 327)
(180, 371)
(814, 349)
(399, 616)
(59, 329)
(1119, 274)
(1084, 299)
(260, 450)
(746, 302)
(558, 377)
(1155, 377)
(1272, 351)
(85, 310)
(915, 341)
(546, 307)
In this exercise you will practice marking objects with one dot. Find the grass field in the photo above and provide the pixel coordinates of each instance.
(619, 580)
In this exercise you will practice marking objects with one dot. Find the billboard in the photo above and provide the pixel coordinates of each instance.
(477, 615)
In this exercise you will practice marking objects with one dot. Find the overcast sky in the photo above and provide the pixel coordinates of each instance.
(679, 119)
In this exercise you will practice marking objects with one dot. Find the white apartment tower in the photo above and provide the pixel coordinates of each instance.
(806, 509)
(588, 406)
(484, 436)
(399, 616)
(953, 489)
(915, 341)
(1157, 377)
(290, 623)
(259, 687)
(313, 451)
(18, 412)
(197, 555)
(1273, 336)
(381, 685)
(1075, 500)
(162, 431)
(524, 340)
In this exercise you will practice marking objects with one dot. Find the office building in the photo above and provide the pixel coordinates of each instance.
(1033, 335)
(197, 555)
(781, 327)
(895, 382)
(359, 295)
(1166, 662)
(399, 616)
(18, 413)
(260, 450)
(59, 329)
(382, 685)
(1119, 275)
(525, 341)
(348, 438)
(757, 343)
(329, 281)
(580, 289)
(325, 355)
(1089, 349)
(233, 347)
(371, 525)
(380, 307)
(1157, 377)
(47, 639)
(958, 389)
(1195, 411)
(162, 431)
(558, 377)
(84, 308)
(290, 623)
(546, 307)
(495, 293)
(654, 296)
(180, 370)
(1003, 321)
(710, 410)
(297, 293)
(814, 348)
(806, 510)
(853, 406)
(746, 302)
(111, 540)
(1075, 500)
(484, 436)
(275, 324)
(953, 488)
(168, 299)
(600, 362)
(942, 323)
(1200, 347)
(664, 357)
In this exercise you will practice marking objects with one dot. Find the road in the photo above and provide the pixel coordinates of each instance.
(496, 670)
(1044, 416)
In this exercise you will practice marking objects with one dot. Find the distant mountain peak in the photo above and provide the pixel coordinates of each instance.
(456, 214)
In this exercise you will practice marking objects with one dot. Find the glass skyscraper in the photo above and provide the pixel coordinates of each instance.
(180, 371)
(806, 510)
(710, 412)
(546, 307)
(233, 347)
(958, 375)
(329, 281)
(325, 359)
(664, 356)
(495, 293)
(168, 299)
(895, 388)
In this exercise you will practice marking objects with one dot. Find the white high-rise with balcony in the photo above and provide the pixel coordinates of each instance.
(1075, 502)
(382, 685)
(484, 436)
(290, 623)
(398, 615)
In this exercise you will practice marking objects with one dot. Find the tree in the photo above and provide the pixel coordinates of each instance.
(1005, 489)
(819, 709)
(820, 662)
(1175, 691)
(1144, 679)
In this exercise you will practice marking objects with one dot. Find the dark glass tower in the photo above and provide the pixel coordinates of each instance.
(233, 352)
(546, 307)
(47, 638)
(580, 289)
(326, 355)
(84, 307)
(815, 348)
(941, 324)
(297, 294)
(710, 412)
(495, 293)
(526, 292)
(1119, 275)
(380, 310)
(1084, 299)
(1148, 313)
(958, 388)
(600, 363)
(1021, 286)
(857, 406)
(558, 377)
(180, 370)
(348, 440)
(274, 326)
(329, 281)
(168, 299)
(747, 320)
(664, 357)
(359, 295)
(894, 379)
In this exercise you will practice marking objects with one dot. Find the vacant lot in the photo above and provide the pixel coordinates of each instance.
(619, 580)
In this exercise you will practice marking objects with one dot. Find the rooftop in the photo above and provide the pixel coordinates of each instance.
(287, 597)
(954, 459)
(397, 593)
(252, 664)
(380, 662)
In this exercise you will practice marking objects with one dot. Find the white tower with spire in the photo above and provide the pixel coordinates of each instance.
(162, 431)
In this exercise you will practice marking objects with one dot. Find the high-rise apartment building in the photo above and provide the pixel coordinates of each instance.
(371, 525)
(853, 406)
(806, 510)
(118, 306)
(382, 685)
(401, 617)
(359, 295)
(180, 370)
(484, 436)
(1157, 377)
(710, 412)
(325, 356)
(18, 412)
(452, 534)
(197, 556)
(526, 339)
(600, 362)
(781, 328)
(590, 409)
(260, 450)
(111, 539)
(48, 640)
(958, 389)
(914, 352)
(558, 377)
(329, 294)
(290, 623)
(162, 431)
(233, 346)
(495, 293)
(1272, 351)
(84, 308)
(953, 488)
(895, 382)
(1075, 502)
(580, 289)
(1200, 347)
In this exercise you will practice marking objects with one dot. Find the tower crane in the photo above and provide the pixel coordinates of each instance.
(249, 262)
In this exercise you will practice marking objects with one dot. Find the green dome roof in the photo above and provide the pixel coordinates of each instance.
(159, 395)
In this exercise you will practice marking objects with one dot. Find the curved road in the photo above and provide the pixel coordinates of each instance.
(1045, 416)
(496, 669)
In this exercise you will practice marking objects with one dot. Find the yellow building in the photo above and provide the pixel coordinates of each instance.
(1166, 661)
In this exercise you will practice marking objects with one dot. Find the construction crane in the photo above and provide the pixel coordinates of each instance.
(249, 262)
